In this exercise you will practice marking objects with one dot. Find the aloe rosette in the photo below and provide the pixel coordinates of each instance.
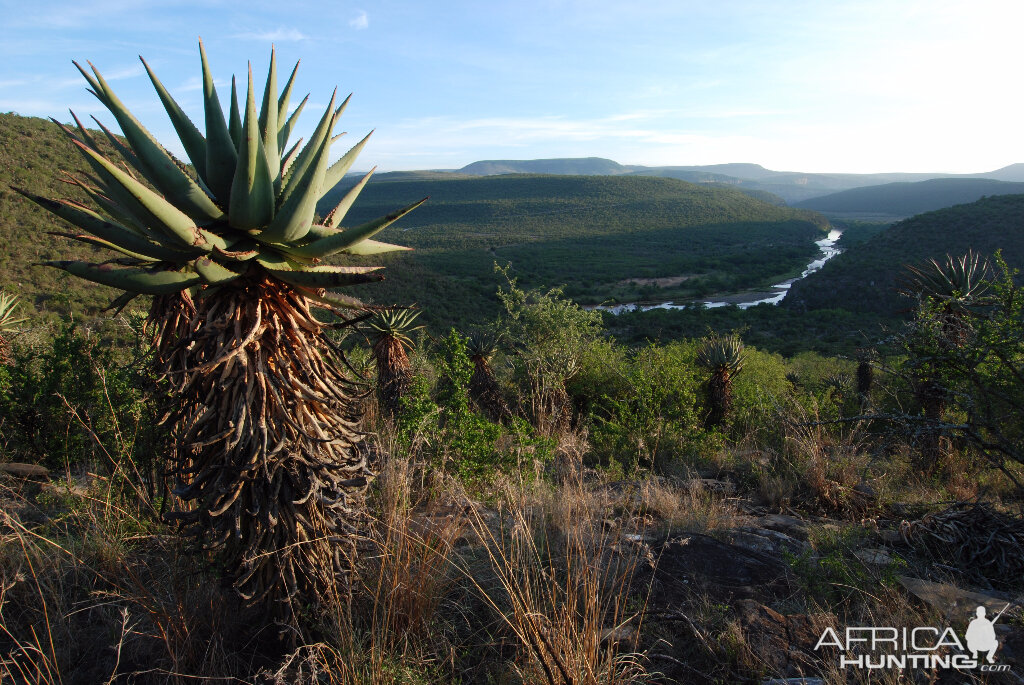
(268, 463)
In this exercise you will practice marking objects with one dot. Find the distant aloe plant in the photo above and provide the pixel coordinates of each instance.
(955, 286)
(390, 330)
(483, 386)
(723, 356)
(8, 324)
(948, 292)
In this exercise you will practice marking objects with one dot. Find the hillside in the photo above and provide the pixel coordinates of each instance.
(907, 199)
(32, 153)
(791, 186)
(607, 238)
(863, 279)
(590, 166)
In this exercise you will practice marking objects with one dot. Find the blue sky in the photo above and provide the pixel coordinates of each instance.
(866, 86)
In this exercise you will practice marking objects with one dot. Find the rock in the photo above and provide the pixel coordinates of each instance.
(784, 643)
(721, 487)
(864, 489)
(874, 556)
(766, 541)
(19, 470)
(700, 563)
(790, 525)
(954, 602)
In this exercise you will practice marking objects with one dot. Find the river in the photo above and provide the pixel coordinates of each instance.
(745, 300)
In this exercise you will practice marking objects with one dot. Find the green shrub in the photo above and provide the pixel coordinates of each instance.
(71, 400)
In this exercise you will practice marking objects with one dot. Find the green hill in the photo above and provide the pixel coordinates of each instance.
(864, 278)
(588, 166)
(33, 152)
(908, 199)
(594, 234)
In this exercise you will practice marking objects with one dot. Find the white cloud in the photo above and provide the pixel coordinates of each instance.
(360, 21)
(279, 35)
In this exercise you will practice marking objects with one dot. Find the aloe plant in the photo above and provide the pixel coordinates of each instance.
(723, 356)
(8, 324)
(268, 463)
(948, 292)
(483, 386)
(390, 330)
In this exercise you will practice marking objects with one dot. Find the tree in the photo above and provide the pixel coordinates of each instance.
(268, 464)
(8, 324)
(946, 292)
(549, 335)
(974, 360)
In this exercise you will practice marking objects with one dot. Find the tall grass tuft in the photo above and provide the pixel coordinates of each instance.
(560, 580)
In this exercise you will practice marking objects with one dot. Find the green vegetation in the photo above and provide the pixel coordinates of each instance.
(538, 548)
(865, 278)
(603, 238)
(906, 199)
(543, 475)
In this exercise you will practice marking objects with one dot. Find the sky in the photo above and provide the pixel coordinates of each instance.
(814, 86)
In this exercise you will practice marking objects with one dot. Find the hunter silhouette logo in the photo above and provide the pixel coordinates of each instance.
(876, 647)
(981, 634)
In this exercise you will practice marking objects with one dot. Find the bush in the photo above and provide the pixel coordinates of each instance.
(70, 400)
(650, 417)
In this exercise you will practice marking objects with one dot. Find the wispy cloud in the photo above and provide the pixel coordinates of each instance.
(360, 21)
(280, 35)
(128, 72)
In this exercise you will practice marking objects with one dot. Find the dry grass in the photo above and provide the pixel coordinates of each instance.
(560, 581)
(691, 507)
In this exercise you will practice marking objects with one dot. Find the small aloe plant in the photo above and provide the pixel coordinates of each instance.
(483, 386)
(390, 331)
(723, 356)
(8, 324)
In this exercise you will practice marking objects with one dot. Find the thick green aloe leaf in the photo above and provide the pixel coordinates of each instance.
(372, 247)
(282, 104)
(329, 277)
(287, 160)
(288, 125)
(120, 215)
(349, 237)
(298, 169)
(221, 151)
(160, 169)
(86, 136)
(334, 218)
(268, 119)
(295, 216)
(341, 167)
(99, 242)
(332, 300)
(252, 191)
(142, 281)
(235, 119)
(88, 220)
(191, 139)
(162, 213)
(213, 273)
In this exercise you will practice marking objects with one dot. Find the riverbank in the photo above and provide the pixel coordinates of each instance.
(745, 299)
